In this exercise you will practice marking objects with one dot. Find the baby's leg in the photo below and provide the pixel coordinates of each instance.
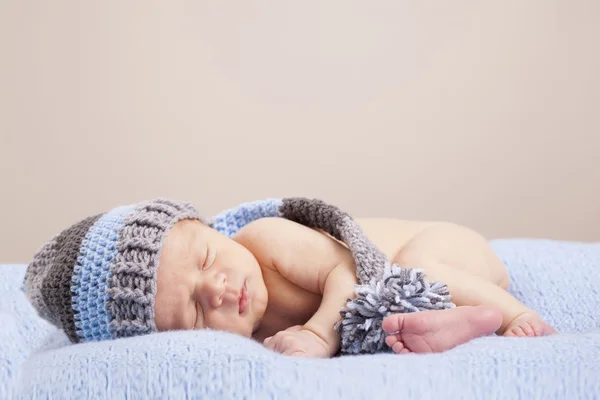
(465, 262)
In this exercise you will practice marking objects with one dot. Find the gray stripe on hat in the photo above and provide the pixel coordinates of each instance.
(132, 287)
(34, 276)
(48, 277)
(370, 261)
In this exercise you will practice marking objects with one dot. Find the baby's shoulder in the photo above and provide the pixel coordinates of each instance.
(269, 226)
(273, 233)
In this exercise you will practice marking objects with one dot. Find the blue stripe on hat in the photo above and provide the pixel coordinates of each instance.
(229, 222)
(96, 254)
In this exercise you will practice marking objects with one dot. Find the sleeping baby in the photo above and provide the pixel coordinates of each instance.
(298, 275)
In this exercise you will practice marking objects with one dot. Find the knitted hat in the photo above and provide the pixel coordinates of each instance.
(97, 279)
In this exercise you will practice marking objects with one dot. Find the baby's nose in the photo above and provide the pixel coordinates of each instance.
(216, 289)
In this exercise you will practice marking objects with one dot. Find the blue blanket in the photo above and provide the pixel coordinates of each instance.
(557, 279)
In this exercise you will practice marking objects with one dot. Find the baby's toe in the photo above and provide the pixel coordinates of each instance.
(399, 348)
(527, 329)
(393, 323)
(391, 340)
(515, 331)
(529, 326)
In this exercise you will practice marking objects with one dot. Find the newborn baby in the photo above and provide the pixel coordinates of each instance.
(284, 283)
(158, 266)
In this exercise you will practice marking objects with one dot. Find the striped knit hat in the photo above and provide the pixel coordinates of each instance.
(97, 279)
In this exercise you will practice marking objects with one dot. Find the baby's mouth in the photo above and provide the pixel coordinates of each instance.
(243, 300)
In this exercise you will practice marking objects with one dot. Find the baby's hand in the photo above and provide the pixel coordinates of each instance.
(298, 342)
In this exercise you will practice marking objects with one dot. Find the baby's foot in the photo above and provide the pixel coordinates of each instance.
(529, 324)
(439, 330)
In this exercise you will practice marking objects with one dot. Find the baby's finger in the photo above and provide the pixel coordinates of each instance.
(294, 353)
(271, 343)
(294, 328)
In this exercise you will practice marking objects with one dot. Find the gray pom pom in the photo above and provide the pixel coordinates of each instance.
(400, 290)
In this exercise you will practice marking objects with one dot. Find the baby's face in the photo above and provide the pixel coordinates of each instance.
(206, 280)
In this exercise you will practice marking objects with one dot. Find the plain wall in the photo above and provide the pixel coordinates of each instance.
(481, 113)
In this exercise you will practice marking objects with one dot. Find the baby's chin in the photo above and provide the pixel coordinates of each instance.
(255, 327)
(249, 331)
(244, 328)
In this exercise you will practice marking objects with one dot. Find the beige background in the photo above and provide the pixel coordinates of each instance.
(481, 113)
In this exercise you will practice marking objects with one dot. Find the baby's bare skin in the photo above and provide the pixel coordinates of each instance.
(450, 253)
(439, 330)
(283, 284)
(462, 259)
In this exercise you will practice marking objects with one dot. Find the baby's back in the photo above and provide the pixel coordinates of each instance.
(391, 235)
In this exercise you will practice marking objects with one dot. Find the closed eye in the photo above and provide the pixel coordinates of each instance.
(209, 259)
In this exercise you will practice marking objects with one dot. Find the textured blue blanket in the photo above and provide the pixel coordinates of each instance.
(558, 279)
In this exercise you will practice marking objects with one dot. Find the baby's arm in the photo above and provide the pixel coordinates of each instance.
(310, 260)
(337, 288)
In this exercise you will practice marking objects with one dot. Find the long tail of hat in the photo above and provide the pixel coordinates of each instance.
(370, 261)
(230, 221)
(314, 213)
